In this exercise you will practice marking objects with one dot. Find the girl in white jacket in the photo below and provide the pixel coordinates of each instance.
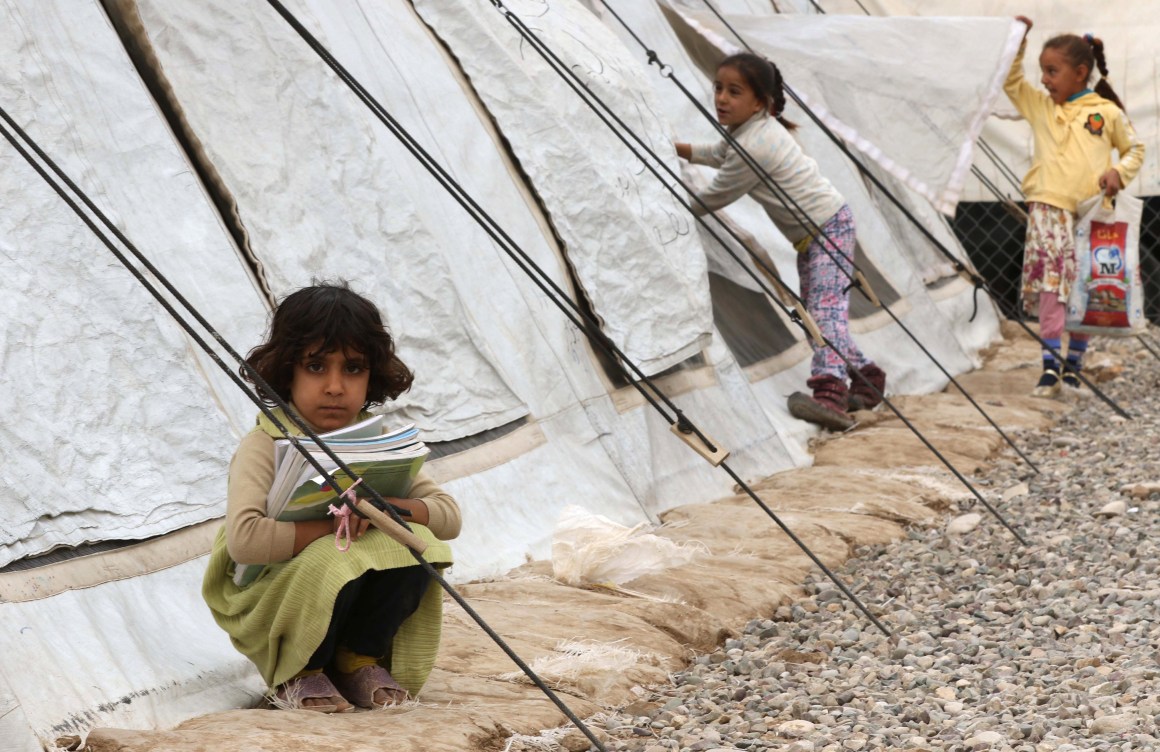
(750, 99)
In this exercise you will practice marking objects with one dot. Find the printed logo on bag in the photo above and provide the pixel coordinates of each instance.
(1095, 124)
(1108, 260)
(1107, 285)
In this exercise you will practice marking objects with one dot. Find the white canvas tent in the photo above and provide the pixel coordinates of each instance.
(243, 168)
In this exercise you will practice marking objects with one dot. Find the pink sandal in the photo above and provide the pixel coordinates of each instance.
(291, 695)
(360, 686)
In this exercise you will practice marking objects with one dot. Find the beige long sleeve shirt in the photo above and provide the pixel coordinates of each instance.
(775, 150)
(254, 538)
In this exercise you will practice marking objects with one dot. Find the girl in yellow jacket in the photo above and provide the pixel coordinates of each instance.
(1075, 131)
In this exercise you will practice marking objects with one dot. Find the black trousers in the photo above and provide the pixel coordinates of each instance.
(368, 612)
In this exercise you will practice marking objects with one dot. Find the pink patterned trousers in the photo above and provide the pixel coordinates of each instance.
(824, 290)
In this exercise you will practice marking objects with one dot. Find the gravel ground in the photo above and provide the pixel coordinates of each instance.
(996, 646)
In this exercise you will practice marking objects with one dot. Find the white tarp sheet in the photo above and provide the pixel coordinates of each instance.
(630, 243)
(860, 76)
(882, 237)
(113, 427)
(325, 191)
(1128, 28)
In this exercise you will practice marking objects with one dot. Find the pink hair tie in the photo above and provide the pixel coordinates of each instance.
(343, 514)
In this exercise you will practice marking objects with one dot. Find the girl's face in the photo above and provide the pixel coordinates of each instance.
(1061, 78)
(734, 98)
(330, 389)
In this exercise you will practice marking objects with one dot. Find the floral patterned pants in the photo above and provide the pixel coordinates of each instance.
(824, 288)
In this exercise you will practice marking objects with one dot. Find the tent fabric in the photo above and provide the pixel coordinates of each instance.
(1129, 30)
(282, 125)
(628, 465)
(637, 259)
(895, 250)
(924, 119)
(114, 427)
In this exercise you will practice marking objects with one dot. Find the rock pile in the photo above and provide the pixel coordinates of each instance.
(1052, 646)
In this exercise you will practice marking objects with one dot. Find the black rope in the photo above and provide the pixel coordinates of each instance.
(974, 302)
(1004, 169)
(826, 243)
(1147, 345)
(854, 371)
(251, 393)
(958, 265)
(574, 82)
(509, 246)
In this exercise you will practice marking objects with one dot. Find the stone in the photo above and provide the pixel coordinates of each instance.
(964, 524)
(1113, 724)
(1014, 492)
(575, 741)
(1113, 509)
(985, 739)
(796, 728)
(1140, 490)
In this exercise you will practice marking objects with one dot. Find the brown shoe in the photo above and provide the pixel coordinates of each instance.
(370, 687)
(861, 396)
(827, 408)
(310, 692)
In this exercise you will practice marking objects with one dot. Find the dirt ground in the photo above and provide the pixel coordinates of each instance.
(598, 647)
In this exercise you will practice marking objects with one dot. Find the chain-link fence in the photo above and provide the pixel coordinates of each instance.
(993, 236)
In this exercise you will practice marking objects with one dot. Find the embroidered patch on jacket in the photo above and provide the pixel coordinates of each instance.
(1095, 124)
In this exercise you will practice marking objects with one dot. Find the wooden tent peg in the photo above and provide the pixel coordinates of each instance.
(861, 281)
(698, 446)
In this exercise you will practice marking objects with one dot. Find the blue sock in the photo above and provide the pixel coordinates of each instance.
(1049, 360)
(1075, 351)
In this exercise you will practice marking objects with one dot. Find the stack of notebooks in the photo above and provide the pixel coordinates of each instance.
(387, 461)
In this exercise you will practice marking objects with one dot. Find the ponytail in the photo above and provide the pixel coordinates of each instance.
(777, 100)
(1103, 88)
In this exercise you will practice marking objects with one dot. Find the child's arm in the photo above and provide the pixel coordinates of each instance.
(734, 180)
(439, 507)
(713, 155)
(1019, 90)
(251, 536)
(1131, 150)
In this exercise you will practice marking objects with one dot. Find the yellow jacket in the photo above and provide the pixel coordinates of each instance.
(1073, 142)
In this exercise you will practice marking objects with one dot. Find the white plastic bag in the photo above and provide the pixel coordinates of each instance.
(592, 549)
(1108, 296)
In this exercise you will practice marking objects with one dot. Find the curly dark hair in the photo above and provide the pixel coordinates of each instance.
(765, 80)
(320, 319)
